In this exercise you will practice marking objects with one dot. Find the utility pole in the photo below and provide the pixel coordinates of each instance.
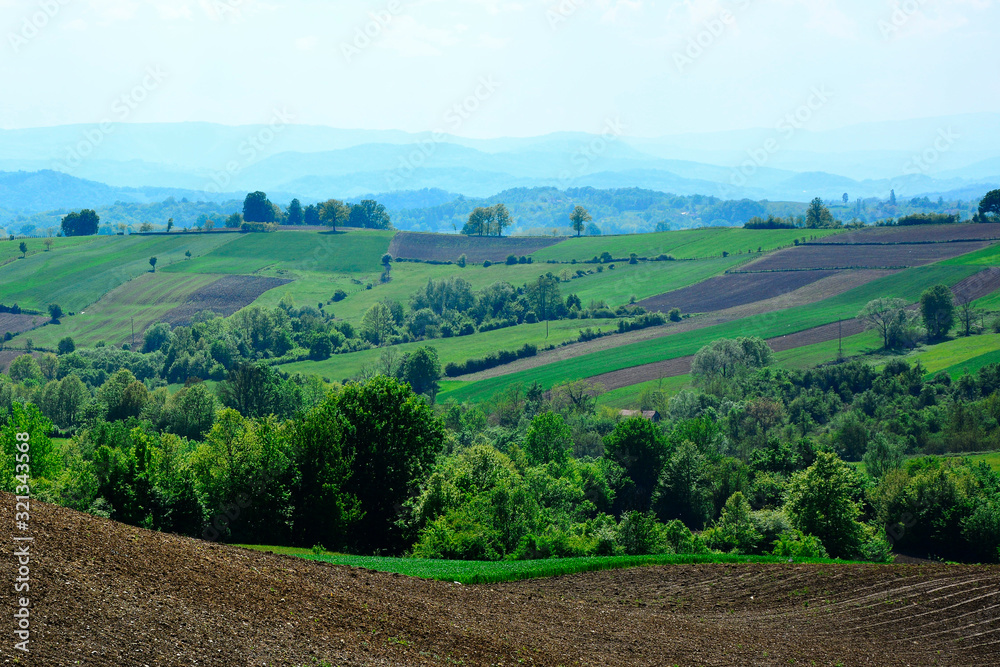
(840, 339)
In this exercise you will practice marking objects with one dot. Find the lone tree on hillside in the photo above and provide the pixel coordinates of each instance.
(937, 306)
(152, 263)
(333, 212)
(24, 249)
(258, 208)
(819, 216)
(170, 224)
(888, 317)
(989, 207)
(48, 244)
(55, 312)
(579, 219)
(84, 223)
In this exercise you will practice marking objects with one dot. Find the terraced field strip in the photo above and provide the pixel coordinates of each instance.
(682, 244)
(831, 256)
(79, 276)
(828, 287)
(847, 328)
(449, 247)
(906, 284)
(731, 290)
(918, 234)
(144, 300)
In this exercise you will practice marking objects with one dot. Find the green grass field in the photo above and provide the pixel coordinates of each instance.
(630, 398)
(474, 572)
(684, 244)
(359, 250)
(907, 285)
(954, 355)
(10, 250)
(456, 349)
(79, 275)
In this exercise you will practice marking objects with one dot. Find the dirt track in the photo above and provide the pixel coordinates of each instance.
(108, 594)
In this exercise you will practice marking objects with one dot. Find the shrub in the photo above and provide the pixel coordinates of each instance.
(638, 535)
(530, 317)
(462, 260)
(675, 315)
(511, 260)
(796, 544)
(487, 263)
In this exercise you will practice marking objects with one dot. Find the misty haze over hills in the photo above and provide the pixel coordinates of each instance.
(956, 157)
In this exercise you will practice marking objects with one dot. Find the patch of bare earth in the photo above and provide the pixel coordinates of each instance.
(835, 256)
(224, 297)
(916, 234)
(106, 594)
(20, 323)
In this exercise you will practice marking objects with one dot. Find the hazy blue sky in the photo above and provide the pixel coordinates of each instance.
(521, 67)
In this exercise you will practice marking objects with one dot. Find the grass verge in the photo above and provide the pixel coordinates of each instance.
(476, 572)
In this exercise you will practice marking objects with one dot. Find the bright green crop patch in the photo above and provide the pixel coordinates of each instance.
(906, 284)
(974, 364)
(989, 256)
(475, 572)
(684, 244)
(78, 276)
(354, 251)
(630, 398)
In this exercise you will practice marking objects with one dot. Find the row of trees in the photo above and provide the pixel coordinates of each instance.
(333, 213)
(750, 461)
(899, 326)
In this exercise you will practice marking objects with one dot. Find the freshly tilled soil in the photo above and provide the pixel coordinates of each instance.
(107, 594)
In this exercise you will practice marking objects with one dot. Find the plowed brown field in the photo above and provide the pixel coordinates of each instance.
(224, 297)
(829, 256)
(732, 289)
(916, 234)
(106, 594)
(445, 247)
(16, 324)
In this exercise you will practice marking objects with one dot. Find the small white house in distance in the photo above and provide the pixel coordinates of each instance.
(651, 415)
